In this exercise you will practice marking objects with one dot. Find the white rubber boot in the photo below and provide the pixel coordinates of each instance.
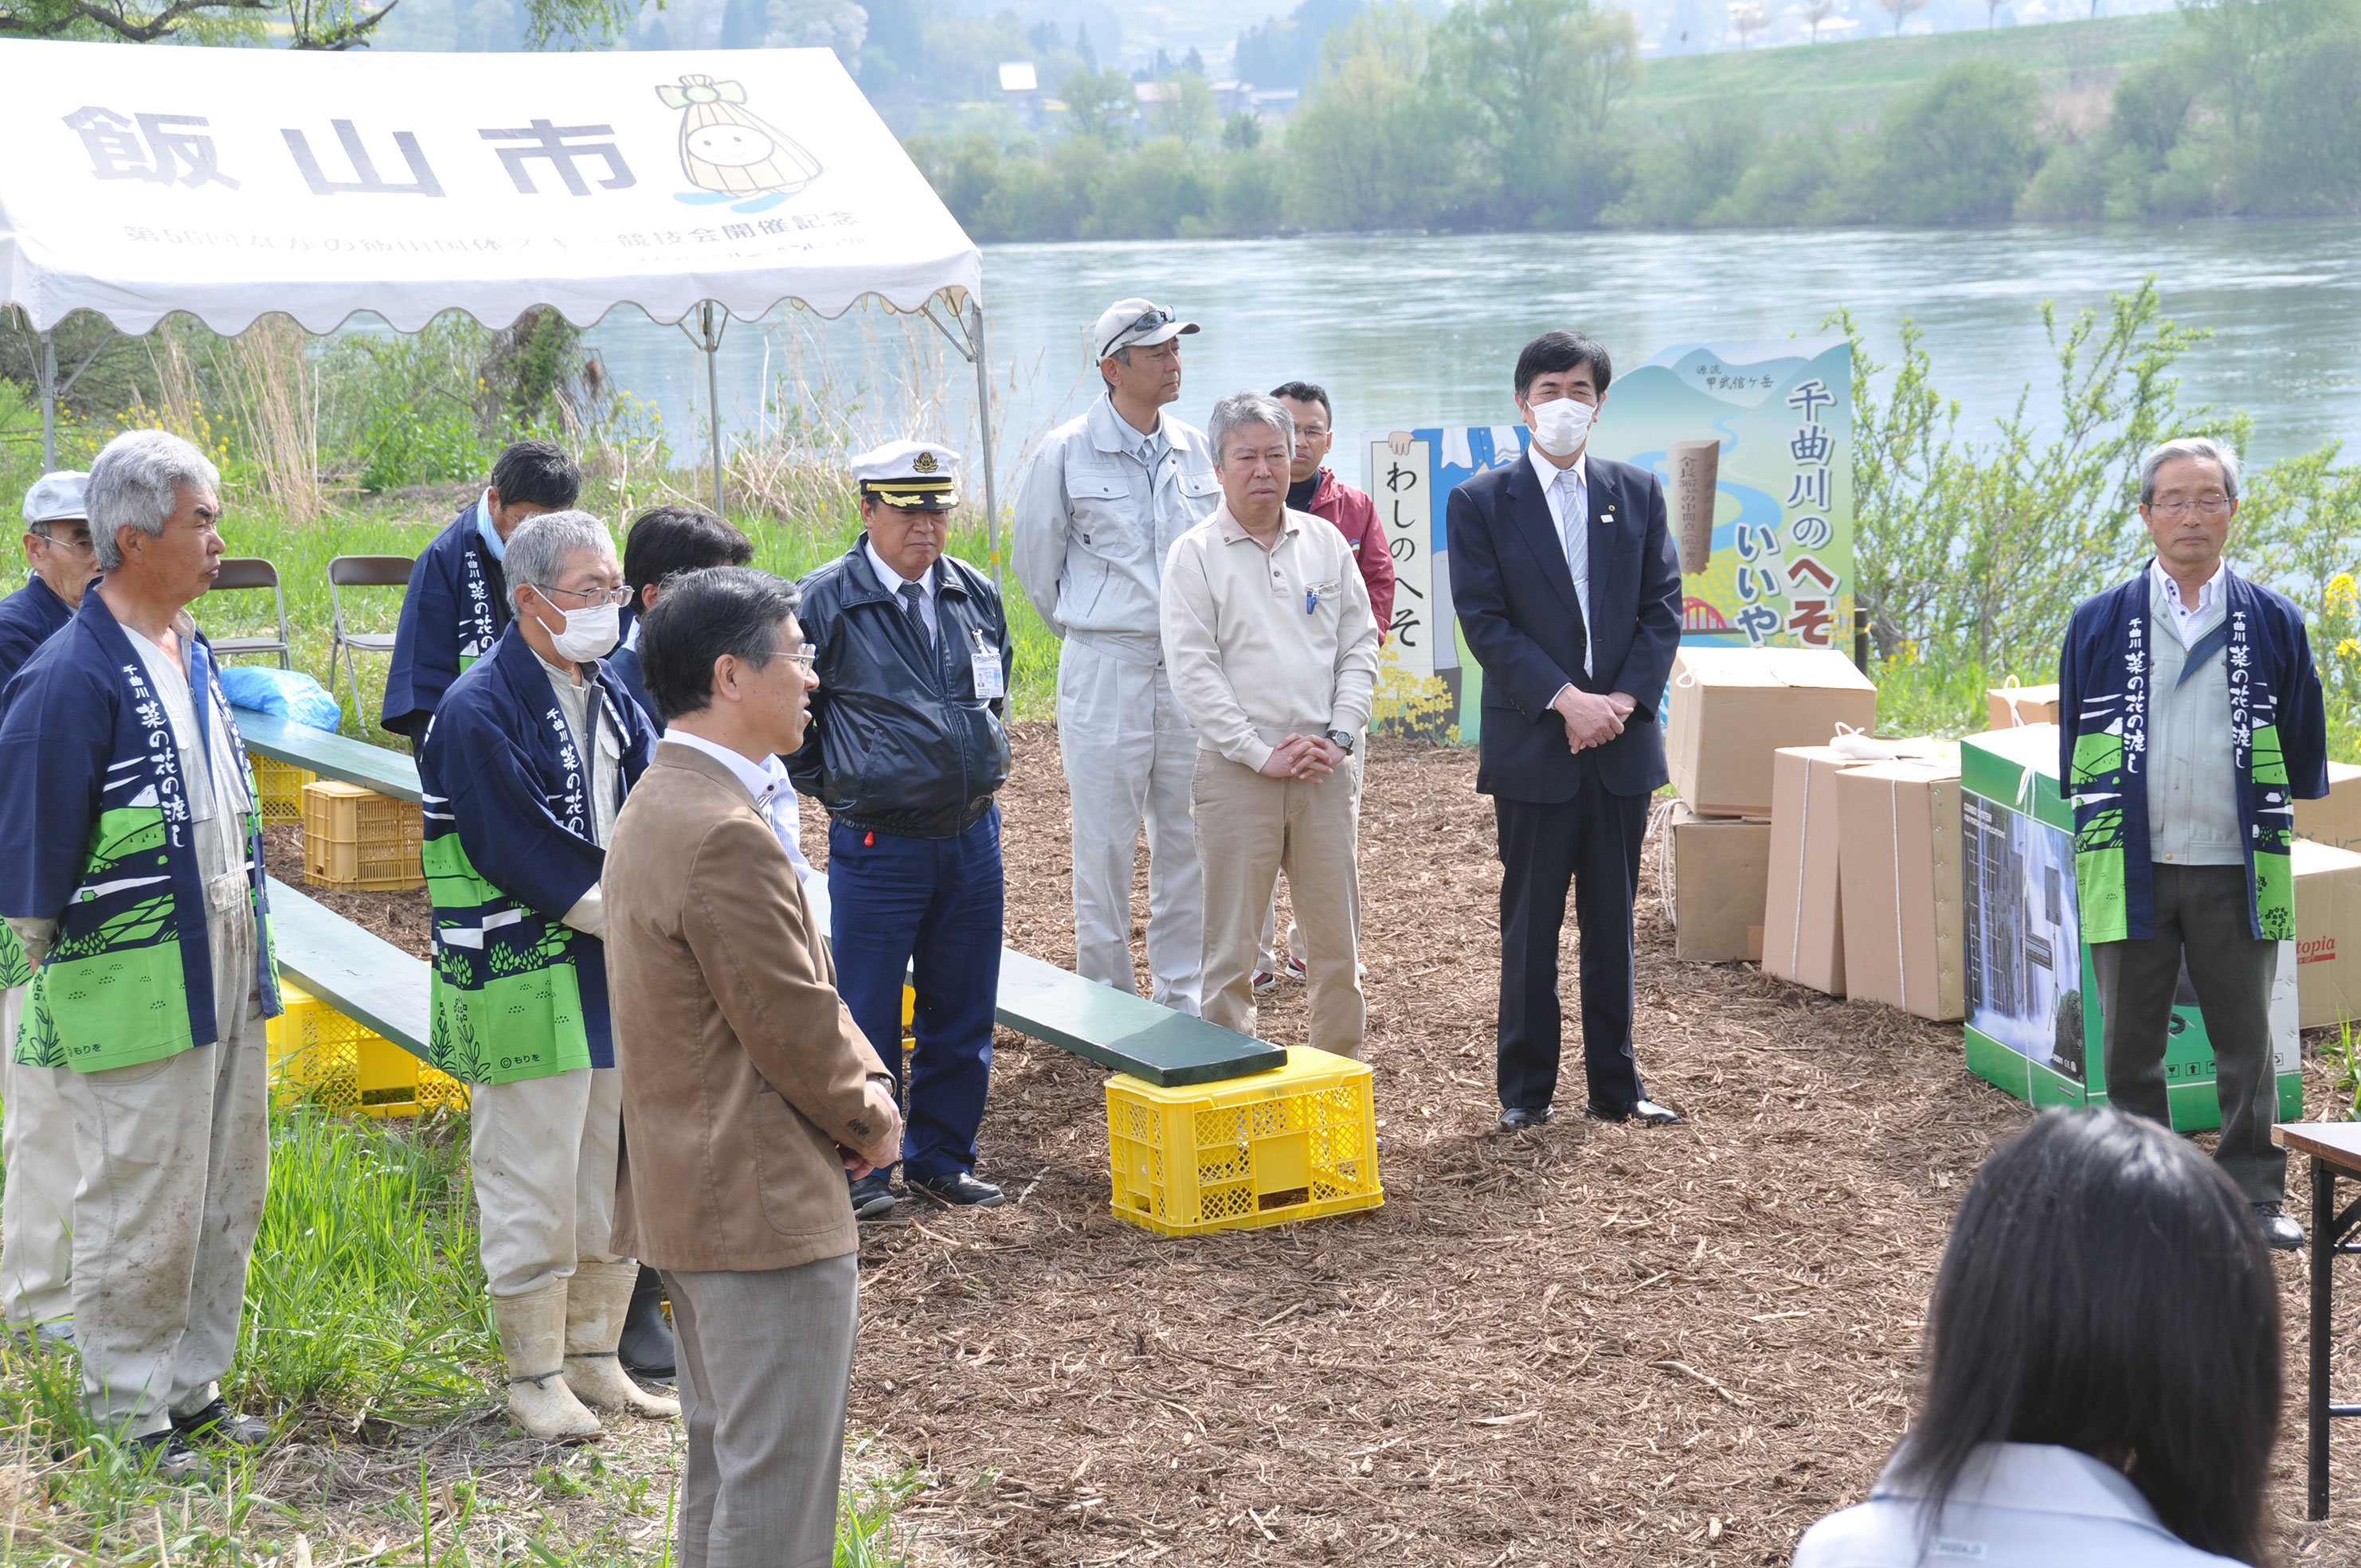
(532, 1335)
(595, 1300)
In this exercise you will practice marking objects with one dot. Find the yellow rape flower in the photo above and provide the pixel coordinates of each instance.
(2341, 594)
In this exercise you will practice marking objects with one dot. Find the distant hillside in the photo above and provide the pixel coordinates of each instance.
(1844, 83)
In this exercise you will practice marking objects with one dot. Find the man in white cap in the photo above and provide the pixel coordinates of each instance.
(1104, 501)
(905, 750)
(37, 1206)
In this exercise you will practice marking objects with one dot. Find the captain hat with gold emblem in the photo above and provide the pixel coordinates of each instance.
(916, 474)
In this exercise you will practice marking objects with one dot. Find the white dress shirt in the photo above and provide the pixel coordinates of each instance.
(2017, 1505)
(893, 582)
(1567, 490)
(2183, 618)
(774, 796)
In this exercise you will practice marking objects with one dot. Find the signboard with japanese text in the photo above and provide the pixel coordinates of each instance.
(320, 184)
(1753, 445)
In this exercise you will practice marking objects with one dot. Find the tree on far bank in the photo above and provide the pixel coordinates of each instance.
(1816, 11)
(310, 24)
(1901, 11)
(1100, 102)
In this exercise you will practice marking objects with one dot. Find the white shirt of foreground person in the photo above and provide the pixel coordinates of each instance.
(775, 798)
(2017, 1505)
(1567, 492)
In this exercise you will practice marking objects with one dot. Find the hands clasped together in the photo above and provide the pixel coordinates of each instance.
(1592, 719)
(1310, 758)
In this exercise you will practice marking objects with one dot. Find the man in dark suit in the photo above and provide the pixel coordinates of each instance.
(1568, 586)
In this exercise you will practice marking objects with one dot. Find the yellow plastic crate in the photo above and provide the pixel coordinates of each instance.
(318, 1054)
(279, 788)
(1293, 1144)
(359, 840)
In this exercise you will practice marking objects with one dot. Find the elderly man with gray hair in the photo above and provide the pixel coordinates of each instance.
(131, 875)
(2190, 719)
(1273, 651)
(526, 761)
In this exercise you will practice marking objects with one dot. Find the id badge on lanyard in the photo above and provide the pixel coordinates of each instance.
(991, 679)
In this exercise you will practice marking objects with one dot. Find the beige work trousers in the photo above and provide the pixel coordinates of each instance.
(36, 1146)
(1252, 828)
(542, 1153)
(174, 1158)
(1266, 957)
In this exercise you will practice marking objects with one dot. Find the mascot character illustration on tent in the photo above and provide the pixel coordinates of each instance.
(730, 155)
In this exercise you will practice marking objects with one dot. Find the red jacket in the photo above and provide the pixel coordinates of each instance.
(1355, 516)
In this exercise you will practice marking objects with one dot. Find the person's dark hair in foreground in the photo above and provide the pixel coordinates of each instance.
(2104, 1290)
(539, 474)
(703, 615)
(665, 540)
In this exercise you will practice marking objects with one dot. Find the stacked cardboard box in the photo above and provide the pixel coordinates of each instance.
(1898, 859)
(2033, 1014)
(1731, 711)
(2335, 819)
(2013, 707)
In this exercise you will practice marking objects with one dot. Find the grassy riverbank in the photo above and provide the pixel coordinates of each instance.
(367, 1342)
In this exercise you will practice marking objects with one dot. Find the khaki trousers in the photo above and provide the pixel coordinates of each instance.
(765, 1368)
(1266, 958)
(1255, 827)
(36, 1205)
(174, 1158)
(543, 1154)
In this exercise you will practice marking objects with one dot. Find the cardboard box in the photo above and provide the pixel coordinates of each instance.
(2327, 934)
(2011, 707)
(2033, 1016)
(1898, 860)
(2335, 818)
(1803, 916)
(1733, 708)
(1720, 867)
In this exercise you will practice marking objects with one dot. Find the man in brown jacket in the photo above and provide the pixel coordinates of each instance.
(749, 1092)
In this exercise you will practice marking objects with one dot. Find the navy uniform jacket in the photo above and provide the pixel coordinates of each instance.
(899, 741)
(1515, 600)
(28, 618)
(456, 607)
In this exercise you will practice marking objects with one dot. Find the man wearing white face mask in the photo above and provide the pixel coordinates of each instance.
(524, 766)
(1567, 585)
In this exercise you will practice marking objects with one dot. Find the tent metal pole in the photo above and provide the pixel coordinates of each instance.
(980, 353)
(712, 343)
(45, 382)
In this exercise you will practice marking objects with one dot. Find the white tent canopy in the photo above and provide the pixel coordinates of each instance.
(232, 183)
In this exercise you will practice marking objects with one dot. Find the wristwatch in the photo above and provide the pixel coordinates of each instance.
(1342, 740)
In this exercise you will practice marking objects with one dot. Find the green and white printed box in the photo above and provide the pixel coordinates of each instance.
(2033, 1023)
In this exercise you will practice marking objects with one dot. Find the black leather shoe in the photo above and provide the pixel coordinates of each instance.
(2279, 1233)
(872, 1198)
(958, 1189)
(1646, 1111)
(645, 1349)
(218, 1424)
(1517, 1119)
(175, 1462)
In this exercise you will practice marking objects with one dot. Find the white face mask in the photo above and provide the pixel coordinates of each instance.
(589, 633)
(1561, 425)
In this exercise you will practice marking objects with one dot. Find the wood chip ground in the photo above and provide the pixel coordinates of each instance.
(1588, 1344)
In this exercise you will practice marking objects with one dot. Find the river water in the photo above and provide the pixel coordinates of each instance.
(1425, 330)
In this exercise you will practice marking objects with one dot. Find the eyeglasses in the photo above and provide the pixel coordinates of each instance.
(2173, 508)
(804, 655)
(81, 545)
(591, 597)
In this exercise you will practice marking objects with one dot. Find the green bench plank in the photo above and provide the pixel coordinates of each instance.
(329, 755)
(358, 972)
(370, 980)
(1123, 1033)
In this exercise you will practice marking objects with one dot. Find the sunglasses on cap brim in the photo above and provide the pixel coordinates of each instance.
(1148, 322)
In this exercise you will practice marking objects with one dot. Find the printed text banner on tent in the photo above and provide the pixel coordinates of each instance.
(1752, 443)
(321, 184)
